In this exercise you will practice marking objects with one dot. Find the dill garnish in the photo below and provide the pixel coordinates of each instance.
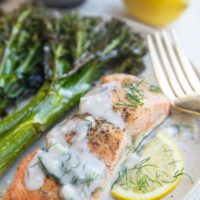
(34, 164)
(180, 173)
(136, 178)
(46, 171)
(139, 181)
(92, 176)
(66, 168)
(134, 95)
(173, 162)
(86, 182)
(167, 150)
(154, 88)
(180, 127)
(177, 174)
(142, 183)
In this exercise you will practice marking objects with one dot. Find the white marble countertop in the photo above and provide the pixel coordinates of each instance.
(187, 28)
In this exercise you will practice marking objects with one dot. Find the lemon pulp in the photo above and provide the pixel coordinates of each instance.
(152, 175)
(156, 12)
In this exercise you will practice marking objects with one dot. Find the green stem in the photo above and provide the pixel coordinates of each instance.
(14, 119)
(14, 36)
(15, 143)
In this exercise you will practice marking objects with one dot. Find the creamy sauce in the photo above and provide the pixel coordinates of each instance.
(73, 165)
(34, 177)
(181, 127)
(75, 125)
(99, 104)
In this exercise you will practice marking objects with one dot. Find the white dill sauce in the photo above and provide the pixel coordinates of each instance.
(72, 165)
(99, 104)
(34, 177)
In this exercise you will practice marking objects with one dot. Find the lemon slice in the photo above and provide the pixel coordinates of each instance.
(153, 174)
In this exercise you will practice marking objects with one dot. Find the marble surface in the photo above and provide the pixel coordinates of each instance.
(187, 28)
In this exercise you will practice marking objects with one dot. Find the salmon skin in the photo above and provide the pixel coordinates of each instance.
(114, 126)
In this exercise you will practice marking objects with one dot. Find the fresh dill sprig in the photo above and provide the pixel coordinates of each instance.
(181, 126)
(181, 173)
(138, 146)
(134, 95)
(66, 168)
(177, 174)
(173, 162)
(142, 183)
(167, 150)
(47, 172)
(136, 179)
(34, 165)
(74, 180)
(155, 89)
(121, 174)
(85, 183)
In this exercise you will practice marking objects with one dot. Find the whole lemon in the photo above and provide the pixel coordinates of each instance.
(156, 12)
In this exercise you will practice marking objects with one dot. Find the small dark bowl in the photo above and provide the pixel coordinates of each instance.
(61, 3)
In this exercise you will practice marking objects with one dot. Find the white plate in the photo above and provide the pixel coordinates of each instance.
(187, 138)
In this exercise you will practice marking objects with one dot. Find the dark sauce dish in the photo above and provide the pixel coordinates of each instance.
(60, 3)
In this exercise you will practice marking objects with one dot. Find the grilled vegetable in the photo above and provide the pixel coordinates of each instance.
(21, 69)
(59, 38)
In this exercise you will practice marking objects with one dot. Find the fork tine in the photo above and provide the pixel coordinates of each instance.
(158, 71)
(175, 85)
(177, 68)
(187, 67)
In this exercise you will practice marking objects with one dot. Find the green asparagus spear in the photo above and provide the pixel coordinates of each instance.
(21, 69)
(6, 24)
(12, 120)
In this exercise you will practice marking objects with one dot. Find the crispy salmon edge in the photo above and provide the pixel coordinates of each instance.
(19, 176)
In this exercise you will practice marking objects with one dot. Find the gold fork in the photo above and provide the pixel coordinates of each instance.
(176, 76)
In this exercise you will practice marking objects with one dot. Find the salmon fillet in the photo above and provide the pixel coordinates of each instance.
(106, 140)
(107, 147)
(139, 119)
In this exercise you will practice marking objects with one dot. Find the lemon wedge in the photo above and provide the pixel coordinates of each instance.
(152, 175)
